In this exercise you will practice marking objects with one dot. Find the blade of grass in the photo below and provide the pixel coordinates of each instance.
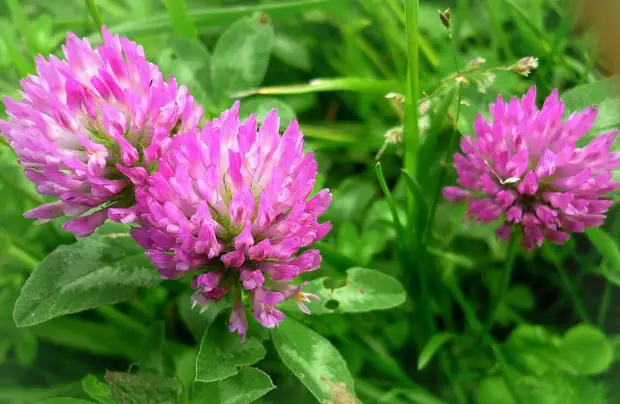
(604, 307)
(24, 26)
(356, 84)
(513, 249)
(572, 293)
(412, 136)
(498, 37)
(425, 46)
(388, 197)
(23, 65)
(333, 133)
(541, 42)
(181, 23)
(221, 16)
(94, 13)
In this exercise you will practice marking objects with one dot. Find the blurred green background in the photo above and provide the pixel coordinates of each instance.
(331, 64)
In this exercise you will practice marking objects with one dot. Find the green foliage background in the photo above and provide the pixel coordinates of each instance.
(405, 299)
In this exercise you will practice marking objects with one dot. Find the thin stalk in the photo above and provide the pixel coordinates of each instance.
(94, 12)
(476, 326)
(19, 255)
(470, 316)
(604, 307)
(451, 145)
(121, 319)
(513, 248)
(572, 293)
(422, 265)
(499, 35)
(412, 136)
(444, 167)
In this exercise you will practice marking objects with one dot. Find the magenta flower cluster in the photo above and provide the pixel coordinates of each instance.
(235, 199)
(88, 128)
(525, 168)
(228, 204)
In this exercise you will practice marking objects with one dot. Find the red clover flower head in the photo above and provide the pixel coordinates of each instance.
(88, 128)
(231, 204)
(524, 166)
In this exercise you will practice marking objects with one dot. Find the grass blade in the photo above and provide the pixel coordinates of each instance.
(355, 84)
(94, 12)
(23, 65)
(23, 25)
(432, 346)
(222, 16)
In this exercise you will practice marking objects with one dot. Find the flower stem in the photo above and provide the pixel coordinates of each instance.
(568, 284)
(94, 12)
(511, 256)
(475, 325)
(604, 308)
(412, 140)
(444, 167)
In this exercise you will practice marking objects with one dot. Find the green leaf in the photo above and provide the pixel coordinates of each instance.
(537, 351)
(151, 355)
(351, 199)
(197, 319)
(416, 395)
(185, 370)
(26, 347)
(608, 248)
(364, 290)
(192, 67)
(94, 271)
(432, 346)
(493, 390)
(97, 390)
(292, 52)
(520, 297)
(262, 105)
(591, 94)
(65, 400)
(143, 388)
(222, 352)
(241, 56)
(589, 349)
(315, 361)
(181, 23)
(600, 94)
(348, 240)
(245, 387)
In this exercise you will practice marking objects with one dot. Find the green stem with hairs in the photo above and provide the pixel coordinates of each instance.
(511, 256)
(94, 12)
